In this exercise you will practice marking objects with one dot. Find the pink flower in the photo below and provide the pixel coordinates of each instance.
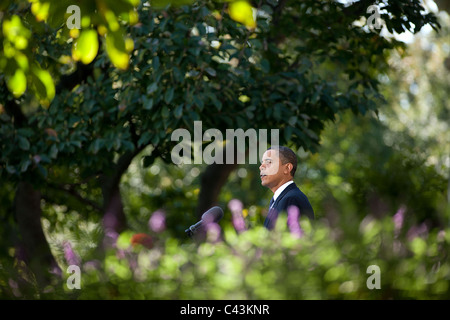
(71, 257)
(14, 288)
(236, 206)
(157, 222)
(92, 265)
(110, 239)
(417, 231)
(238, 222)
(292, 221)
(213, 232)
(399, 219)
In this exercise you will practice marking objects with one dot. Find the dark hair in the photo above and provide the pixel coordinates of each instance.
(287, 156)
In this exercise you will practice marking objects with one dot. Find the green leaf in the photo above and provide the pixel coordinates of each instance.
(115, 47)
(288, 133)
(277, 111)
(241, 11)
(128, 145)
(85, 48)
(44, 159)
(10, 169)
(110, 143)
(144, 139)
(169, 95)
(177, 74)
(96, 145)
(265, 65)
(44, 83)
(148, 104)
(123, 241)
(217, 104)
(211, 71)
(152, 88)
(155, 63)
(17, 84)
(53, 152)
(178, 112)
(24, 144)
(199, 102)
(42, 170)
(165, 112)
(24, 165)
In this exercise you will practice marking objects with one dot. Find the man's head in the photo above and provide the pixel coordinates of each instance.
(278, 166)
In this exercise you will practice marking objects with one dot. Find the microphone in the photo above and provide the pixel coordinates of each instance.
(212, 215)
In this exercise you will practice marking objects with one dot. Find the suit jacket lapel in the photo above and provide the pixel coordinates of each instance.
(282, 194)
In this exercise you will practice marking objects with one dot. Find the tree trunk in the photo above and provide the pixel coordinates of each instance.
(213, 179)
(36, 251)
(114, 217)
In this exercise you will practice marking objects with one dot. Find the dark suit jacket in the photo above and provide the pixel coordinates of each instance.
(291, 196)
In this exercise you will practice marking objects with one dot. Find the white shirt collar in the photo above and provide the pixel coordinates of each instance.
(280, 190)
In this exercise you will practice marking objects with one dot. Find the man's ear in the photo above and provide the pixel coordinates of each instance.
(289, 167)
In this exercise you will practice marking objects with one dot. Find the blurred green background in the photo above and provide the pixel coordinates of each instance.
(89, 165)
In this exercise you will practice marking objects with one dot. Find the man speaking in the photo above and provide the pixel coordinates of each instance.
(278, 166)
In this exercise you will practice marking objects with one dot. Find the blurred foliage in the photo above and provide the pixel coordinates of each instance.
(150, 71)
(370, 171)
(325, 263)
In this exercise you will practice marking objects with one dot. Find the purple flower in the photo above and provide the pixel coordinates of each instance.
(238, 222)
(55, 269)
(235, 205)
(121, 253)
(417, 231)
(292, 221)
(157, 222)
(110, 239)
(71, 257)
(14, 287)
(399, 219)
(213, 232)
(92, 265)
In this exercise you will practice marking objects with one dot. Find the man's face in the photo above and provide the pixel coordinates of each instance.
(271, 169)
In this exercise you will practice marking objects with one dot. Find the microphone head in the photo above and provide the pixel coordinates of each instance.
(213, 215)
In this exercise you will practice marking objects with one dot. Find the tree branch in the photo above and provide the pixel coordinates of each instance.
(71, 191)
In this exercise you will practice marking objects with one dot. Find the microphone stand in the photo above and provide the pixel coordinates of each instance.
(191, 230)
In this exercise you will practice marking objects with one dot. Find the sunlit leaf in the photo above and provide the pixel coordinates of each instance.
(116, 49)
(112, 20)
(85, 47)
(242, 11)
(17, 84)
(40, 10)
(44, 84)
(22, 61)
(16, 33)
(124, 240)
